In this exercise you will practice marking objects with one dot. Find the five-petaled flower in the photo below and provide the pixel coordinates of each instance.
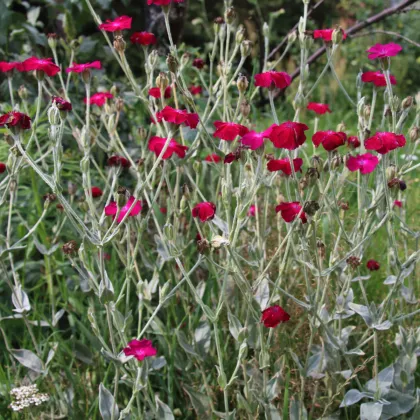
(156, 145)
(353, 142)
(44, 65)
(198, 63)
(195, 90)
(99, 98)
(254, 140)
(377, 78)
(6, 67)
(252, 211)
(16, 120)
(289, 211)
(140, 349)
(62, 104)
(155, 92)
(384, 142)
(178, 116)
(118, 24)
(373, 265)
(318, 108)
(383, 50)
(288, 135)
(96, 192)
(329, 139)
(270, 79)
(112, 209)
(326, 34)
(80, 68)
(273, 316)
(143, 38)
(284, 165)
(365, 163)
(204, 211)
(118, 161)
(213, 158)
(229, 131)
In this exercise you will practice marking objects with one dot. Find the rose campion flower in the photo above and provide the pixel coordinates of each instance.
(6, 67)
(353, 142)
(140, 349)
(318, 108)
(155, 92)
(384, 142)
(178, 116)
(118, 24)
(112, 209)
(229, 131)
(163, 210)
(143, 38)
(16, 120)
(398, 203)
(329, 139)
(96, 192)
(163, 2)
(254, 140)
(377, 78)
(40, 64)
(289, 211)
(80, 68)
(365, 163)
(383, 50)
(156, 145)
(252, 211)
(99, 98)
(326, 34)
(283, 165)
(288, 135)
(204, 211)
(273, 316)
(270, 79)
(373, 265)
(195, 90)
(213, 158)
(61, 103)
(2, 167)
(119, 161)
(198, 63)
(230, 157)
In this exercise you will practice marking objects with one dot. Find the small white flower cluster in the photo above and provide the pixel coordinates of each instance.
(26, 396)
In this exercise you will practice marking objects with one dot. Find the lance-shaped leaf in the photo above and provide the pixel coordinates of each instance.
(363, 311)
(352, 396)
(20, 300)
(106, 404)
(28, 359)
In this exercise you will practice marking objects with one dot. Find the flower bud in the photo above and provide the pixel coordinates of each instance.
(407, 102)
(23, 93)
(52, 41)
(230, 15)
(299, 101)
(312, 176)
(185, 59)
(245, 108)
(162, 81)
(152, 59)
(240, 34)
(218, 22)
(266, 30)
(414, 133)
(142, 133)
(246, 48)
(119, 43)
(341, 127)
(321, 249)
(70, 247)
(336, 161)
(114, 90)
(394, 184)
(316, 163)
(391, 172)
(186, 191)
(172, 63)
(291, 37)
(394, 103)
(359, 82)
(367, 111)
(242, 83)
(337, 35)
(86, 76)
(53, 115)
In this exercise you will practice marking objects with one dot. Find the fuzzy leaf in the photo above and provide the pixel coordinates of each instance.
(163, 411)
(200, 402)
(370, 411)
(28, 359)
(235, 325)
(352, 397)
(106, 403)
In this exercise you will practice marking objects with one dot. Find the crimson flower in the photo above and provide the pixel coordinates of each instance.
(289, 211)
(284, 165)
(398, 203)
(373, 265)
(96, 192)
(288, 135)
(384, 142)
(178, 116)
(213, 158)
(140, 349)
(2, 167)
(195, 90)
(231, 157)
(5, 67)
(271, 78)
(80, 68)
(15, 119)
(143, 38)
(353, 142)
(118, 24)
(228, 131)
(41, 64)
(318, 108)
(99, 98)
(155, 92)
(326, 34)
(377, 78)
(163, 2)
(198, 63)
(366, 163)
(383, 50)
(273, 316)
(254, 140)
(119, 161)
(252, 211)
(329, 139)
(112, 209)
(163, 210)
(156, 145)
(62, 104)
(204, 211)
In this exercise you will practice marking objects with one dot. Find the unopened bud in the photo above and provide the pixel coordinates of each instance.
(71, 188)
(119, 43)
(53, 114)
(337, 35)
(186, 191)
(114, 91)
(367, 111)
(246, 48)
(230, 15)
(172, 63)
(162, 81)
(317, 163)
(336, 161)
(245, 108)
(242, 83)
(291, 37)
(185, 59)
(240, 35)
(266, 30)
(119, 104)
(391, 172)
(152, 59)
(52, 41)
(341, 127)
(23, 93)
(414, 133)
(407, 102)
(142, 133)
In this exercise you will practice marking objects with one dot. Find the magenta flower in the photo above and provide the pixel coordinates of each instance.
(112, 209)
(365, 163)
(284, 165)
(383, 50)
(273, 316)
(272, 78)
(377, 78)
(253, 140)
(398, 203)
(140, 349)
(79, 68)
(318, 108)
(118, 24)
(384, 142)
(252, 211)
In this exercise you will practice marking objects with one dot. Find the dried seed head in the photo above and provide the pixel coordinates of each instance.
(407, 102)
(414, 133)
(70, 247)
(246, 48)
(245, 108)
(321, 248)
(185, 59)
(242, 83)
(391, 172)
(311, 207)
(23, 93)
(119, 43)
(353, 262)
(230, 15)
(317, 163)
(344, 205)
(203, 246)
(172, 63)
